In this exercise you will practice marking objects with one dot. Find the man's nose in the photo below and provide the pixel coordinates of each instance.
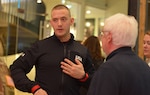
(59, 22)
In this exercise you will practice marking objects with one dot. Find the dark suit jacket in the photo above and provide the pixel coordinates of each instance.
(123, 73)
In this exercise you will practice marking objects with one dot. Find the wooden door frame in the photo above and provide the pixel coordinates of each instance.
(137, 8)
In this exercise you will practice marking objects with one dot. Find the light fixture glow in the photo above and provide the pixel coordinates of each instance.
(87, 24)
(39, 1)
(88, 12)
(102, 23)
(63, 1)
(69, 6)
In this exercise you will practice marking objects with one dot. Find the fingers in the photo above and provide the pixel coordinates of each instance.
(75, 70)
(77, 62)
(40, 92)
(69, 62)
(66, 68)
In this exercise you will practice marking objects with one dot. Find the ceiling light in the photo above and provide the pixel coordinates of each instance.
(69, 6)
(102, 23)
(88, 12)
(87, 24)
(63, 1)
(39, 1)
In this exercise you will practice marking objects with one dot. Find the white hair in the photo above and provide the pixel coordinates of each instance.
(124, 29)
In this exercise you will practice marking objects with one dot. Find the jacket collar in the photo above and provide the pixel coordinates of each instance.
(121, 49)
(69, 41)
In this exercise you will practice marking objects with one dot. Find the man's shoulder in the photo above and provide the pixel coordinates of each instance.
(78, 44)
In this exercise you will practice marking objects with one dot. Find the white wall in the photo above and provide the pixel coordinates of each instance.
(116, 6)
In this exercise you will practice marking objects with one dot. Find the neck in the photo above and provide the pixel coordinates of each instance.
(147, 60)
(65, 38)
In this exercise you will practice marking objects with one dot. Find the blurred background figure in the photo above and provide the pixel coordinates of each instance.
(1, 45)
(6, 83)
(146, 47)
(94, 47)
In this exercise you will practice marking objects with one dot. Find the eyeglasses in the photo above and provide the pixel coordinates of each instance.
(101, 34)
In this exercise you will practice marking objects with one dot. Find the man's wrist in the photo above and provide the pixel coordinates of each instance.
(86, 76)
(35, 88)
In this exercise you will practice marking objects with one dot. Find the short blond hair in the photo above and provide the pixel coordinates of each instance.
(61, 6)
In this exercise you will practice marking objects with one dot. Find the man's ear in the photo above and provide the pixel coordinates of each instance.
(109, 37)
(72, 21)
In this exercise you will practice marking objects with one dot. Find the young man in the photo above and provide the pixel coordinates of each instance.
(62, 64)
(123, 73)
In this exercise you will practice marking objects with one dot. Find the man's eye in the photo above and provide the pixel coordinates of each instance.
(63, 19)
(55, 20)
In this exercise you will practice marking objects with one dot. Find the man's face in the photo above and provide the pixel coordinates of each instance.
(146, 46)
(61, 22)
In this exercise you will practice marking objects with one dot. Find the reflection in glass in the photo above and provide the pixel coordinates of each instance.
(22, 18)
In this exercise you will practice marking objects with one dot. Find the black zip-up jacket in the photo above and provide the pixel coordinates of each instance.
(46, 56)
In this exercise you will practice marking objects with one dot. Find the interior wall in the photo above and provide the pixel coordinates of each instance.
(116, 6)
(101, 4)
(49, 4)
(148, 17)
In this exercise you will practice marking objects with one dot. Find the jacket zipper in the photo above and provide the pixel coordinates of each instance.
(62, 79)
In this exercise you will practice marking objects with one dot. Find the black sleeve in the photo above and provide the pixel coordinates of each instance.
(89, 68)
(22, 66)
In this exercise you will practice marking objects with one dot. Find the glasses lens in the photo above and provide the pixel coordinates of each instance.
(102, 33)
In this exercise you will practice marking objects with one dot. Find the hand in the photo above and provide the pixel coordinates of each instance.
(75, 70)
(40, 92)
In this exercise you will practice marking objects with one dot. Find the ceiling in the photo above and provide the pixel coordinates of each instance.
(95, 6)
(100, 4)
(95, 12)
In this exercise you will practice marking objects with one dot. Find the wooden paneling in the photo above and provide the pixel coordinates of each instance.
(137, 8)
(142, 18)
